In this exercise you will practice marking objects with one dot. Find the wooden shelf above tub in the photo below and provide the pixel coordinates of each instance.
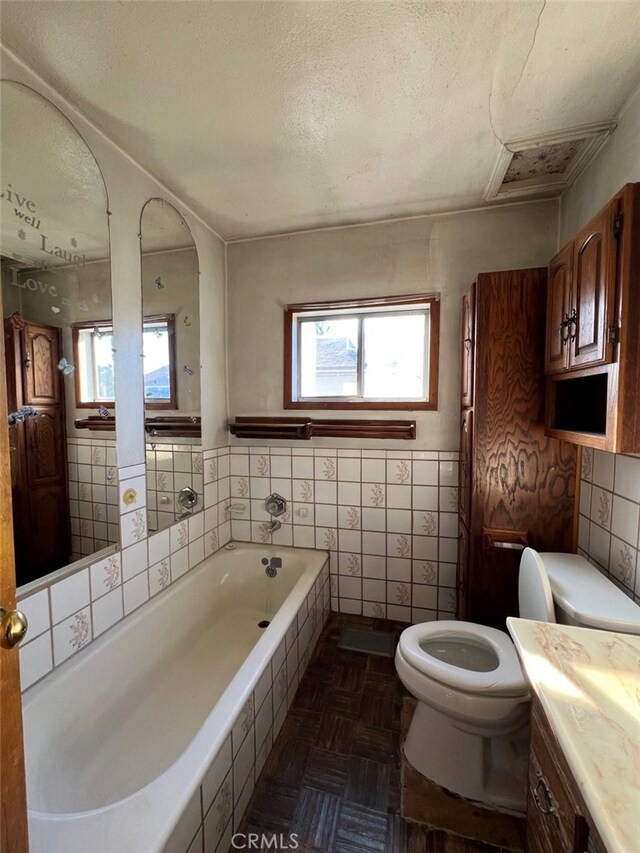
(303, 429)
(167, 426)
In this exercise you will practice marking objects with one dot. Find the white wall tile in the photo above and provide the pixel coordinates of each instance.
(134, 560)
(36, 608)
(35, 660)
(216, 774)
(625, 520)
(136, 592)
(106, 611)
(603, 469)
(69, 595)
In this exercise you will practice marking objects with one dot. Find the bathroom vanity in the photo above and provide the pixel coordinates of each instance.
(585, 737)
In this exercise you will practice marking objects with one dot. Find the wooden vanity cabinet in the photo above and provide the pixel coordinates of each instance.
(592, 351)
(557, 818)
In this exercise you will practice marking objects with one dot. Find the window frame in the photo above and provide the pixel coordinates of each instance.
(350, 308)
(107, 325)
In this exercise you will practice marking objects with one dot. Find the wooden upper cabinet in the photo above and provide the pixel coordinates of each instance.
(558, 305)
(40, 357)
(466, 391)
(593, 291)
(593, 380)
(581, 297)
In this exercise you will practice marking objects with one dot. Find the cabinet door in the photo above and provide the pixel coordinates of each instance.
(44, 438)
(466, 391)
(558, 306)
(465, 480)
(49, 534)
(40, 374)
(593, 298)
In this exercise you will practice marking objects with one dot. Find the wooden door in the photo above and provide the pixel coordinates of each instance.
(13, 800)
(593, 299)
(558, 309)
(39, 469)
(466, 391)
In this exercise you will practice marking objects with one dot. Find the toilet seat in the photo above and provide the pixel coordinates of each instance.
(506, 680)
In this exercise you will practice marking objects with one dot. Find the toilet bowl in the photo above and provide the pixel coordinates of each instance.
(469, 732)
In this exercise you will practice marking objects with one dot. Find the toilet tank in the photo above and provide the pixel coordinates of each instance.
(583, 596)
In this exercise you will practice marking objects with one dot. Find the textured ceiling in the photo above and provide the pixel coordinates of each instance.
(274, 116)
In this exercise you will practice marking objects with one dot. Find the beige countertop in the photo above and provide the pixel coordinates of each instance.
(588, 683)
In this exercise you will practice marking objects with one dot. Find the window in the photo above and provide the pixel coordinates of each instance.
(93, 353)
(362, 354)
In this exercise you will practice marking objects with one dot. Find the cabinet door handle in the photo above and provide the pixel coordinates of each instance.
(467, 343)
(564, 329)
(542, 796)
(573, 324)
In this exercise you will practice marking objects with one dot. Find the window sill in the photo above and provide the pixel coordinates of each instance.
(304, 429)
(367, 406)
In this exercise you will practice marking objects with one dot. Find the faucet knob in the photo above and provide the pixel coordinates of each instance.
(275, 504)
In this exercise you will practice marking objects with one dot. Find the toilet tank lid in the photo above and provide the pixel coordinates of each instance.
(587, 596)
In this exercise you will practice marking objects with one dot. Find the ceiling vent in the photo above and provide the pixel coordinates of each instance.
(547, 164)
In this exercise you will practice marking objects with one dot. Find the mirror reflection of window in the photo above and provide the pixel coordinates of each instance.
(54, 259)
(93, 352)
(171, 359)
(158, 335)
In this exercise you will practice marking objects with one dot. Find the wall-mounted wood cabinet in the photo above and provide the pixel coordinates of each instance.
(592, 353)
(516, 485)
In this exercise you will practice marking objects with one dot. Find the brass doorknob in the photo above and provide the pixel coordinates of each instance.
(13, 627)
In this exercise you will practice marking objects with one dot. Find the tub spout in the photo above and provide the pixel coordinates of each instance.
(274, 525)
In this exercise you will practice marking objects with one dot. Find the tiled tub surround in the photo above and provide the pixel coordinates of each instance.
(171, 467)
(387, 517)
(609, 524)
(191, 714)
(68, 613)
(93, 494)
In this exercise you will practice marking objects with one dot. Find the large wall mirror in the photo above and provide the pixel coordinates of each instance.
(56, 304)
(171, 351)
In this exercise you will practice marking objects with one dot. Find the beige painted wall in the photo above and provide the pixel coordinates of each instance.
(618, 163)
(427, 254)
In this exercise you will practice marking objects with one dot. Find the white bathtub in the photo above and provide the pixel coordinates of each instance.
(124, 741)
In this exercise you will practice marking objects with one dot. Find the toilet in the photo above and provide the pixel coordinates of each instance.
(470, 729)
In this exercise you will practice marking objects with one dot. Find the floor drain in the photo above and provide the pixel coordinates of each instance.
(264, 624)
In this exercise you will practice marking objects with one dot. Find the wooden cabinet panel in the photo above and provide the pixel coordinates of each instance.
(42, 533)
(44, 447)
(463, 572)
(558, 309)
(466, 391)
(594, 268)
(465, 484)
(49, 534)
(40, 357)
(513, 479)
(592, 397)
